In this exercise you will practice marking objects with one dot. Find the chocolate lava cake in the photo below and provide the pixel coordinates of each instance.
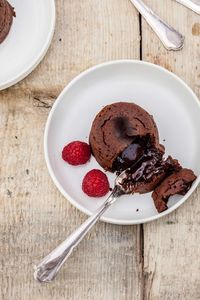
(6, 18)
(118, 127)
(125, 137)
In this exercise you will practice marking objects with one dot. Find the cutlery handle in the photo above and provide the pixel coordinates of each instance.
(170, 38)
(191, 4)
(51, 264)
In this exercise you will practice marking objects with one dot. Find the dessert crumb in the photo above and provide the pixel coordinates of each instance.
(9, 193)
(170, 222)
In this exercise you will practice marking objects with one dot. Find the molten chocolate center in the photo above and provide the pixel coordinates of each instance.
(142, 162)
(132, 153)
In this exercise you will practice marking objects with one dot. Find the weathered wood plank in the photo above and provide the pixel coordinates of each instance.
(34, 217)
(171, 245)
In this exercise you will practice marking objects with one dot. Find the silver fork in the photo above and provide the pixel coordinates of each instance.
(51, 264)
(171, 38)
(191, 4)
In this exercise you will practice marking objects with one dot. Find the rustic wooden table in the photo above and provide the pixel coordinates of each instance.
(159, 260)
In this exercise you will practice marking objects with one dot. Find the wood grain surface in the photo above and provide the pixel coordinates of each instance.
(159, 260)
(171, 245)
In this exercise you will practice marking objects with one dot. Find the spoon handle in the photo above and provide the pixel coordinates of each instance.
(191, 4)
(51, 264)
(171, 39)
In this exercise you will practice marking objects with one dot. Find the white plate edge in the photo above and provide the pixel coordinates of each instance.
(65, 194)
(38, 59)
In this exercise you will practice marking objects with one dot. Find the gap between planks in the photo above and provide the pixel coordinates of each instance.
(141, 231)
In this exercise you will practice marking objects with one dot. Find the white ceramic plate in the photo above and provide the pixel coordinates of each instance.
(27, 41)
(176, 111)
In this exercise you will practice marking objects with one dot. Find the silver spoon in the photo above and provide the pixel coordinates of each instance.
(191, 4)
(171, 39)
(51, 264)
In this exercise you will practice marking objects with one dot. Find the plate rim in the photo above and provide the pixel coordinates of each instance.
(50, 170)
(34, 63)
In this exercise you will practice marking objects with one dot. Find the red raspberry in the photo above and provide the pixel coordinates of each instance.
(76, 153)
(95, 184)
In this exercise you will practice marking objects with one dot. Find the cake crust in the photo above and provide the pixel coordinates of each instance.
(177, 183)
(6, 18)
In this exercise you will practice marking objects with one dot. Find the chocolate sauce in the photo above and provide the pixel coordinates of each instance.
(152, 164)
(132, 153)
(143, 161)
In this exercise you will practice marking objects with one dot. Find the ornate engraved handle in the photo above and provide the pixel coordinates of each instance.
(191, 4)
(51, 264)
(171, 39)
